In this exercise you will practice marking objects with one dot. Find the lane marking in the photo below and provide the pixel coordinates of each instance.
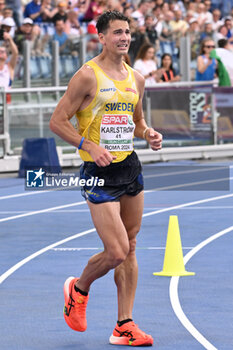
(188, 204)
(87, 210)
(175, 298)
(9, 272)
(55, 212)
(186, 172)
(165, 188)
(14, 217)
(23, 194)
(101, 248)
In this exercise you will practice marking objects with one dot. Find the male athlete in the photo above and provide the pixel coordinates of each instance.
(106, 96)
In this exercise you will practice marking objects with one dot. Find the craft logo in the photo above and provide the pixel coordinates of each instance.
(35, 178)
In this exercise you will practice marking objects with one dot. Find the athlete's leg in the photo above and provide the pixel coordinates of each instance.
(126, 274)
(107, 220)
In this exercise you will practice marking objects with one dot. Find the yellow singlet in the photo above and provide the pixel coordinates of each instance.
(108, 119)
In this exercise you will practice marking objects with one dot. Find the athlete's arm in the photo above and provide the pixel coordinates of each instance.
(80, 88)
(153, 137)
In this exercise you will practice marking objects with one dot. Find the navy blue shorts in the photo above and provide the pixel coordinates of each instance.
(119, 178)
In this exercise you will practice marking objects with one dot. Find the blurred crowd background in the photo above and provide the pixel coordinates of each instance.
(156, 27)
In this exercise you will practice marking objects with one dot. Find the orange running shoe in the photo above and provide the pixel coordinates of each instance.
(130, 334)
(75, 306)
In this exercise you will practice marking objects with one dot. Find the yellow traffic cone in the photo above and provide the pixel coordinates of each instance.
(173, 264)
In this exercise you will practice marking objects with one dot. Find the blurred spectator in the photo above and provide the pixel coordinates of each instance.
(176, 5)
(204, 16)
(206, 66)
(33, 10)
(146, 65)
(61, 12)
(207, 32)
(194, 35)
(222, 33)
(142, 10)
(165, 8)
(8, 25)
(190, 15)
(74, 31)
(61, 36)
(28, 31)
(82, 7)
(217, 22)
(137, 40)
(128, 10)
(179, 26)
(2, 5)
(48, 11)
(72, 25)
(228, 24)
(158, 18)
(150, 30)
(186, 6)
(8, 13)
(215, 4)
(169, 75)
(95, 8)
(7, 69)
(225, 52)
(73, 5)
(225, 7)
(15, 5)
(167, 43)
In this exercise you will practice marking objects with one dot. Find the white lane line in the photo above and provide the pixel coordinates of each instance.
(185, 172)
(70, 249)
(175, 298)
(87, 210)
(14, 217)
(41, 251)
(195, 208)
(165, 188)
(188, 204)
(23, 194)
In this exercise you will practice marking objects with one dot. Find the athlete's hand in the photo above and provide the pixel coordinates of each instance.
(101, 156)
(154, 138)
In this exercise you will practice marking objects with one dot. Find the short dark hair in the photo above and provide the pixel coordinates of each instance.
(222, 43)
(103, 21)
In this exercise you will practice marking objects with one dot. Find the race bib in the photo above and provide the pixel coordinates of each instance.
(116, 132)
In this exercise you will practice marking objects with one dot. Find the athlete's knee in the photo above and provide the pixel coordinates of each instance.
(117, 255)
(132, 245)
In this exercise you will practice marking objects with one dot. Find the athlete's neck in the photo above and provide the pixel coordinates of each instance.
(113, 64)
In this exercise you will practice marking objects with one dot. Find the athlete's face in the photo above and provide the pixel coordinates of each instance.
(117, 38)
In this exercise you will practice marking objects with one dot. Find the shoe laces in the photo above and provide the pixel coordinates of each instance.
(137, 329)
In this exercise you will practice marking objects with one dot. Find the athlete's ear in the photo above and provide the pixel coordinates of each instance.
(101, 38)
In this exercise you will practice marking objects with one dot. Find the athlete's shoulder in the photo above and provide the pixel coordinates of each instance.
(140, 81)
(84, 77)
(138, 76)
